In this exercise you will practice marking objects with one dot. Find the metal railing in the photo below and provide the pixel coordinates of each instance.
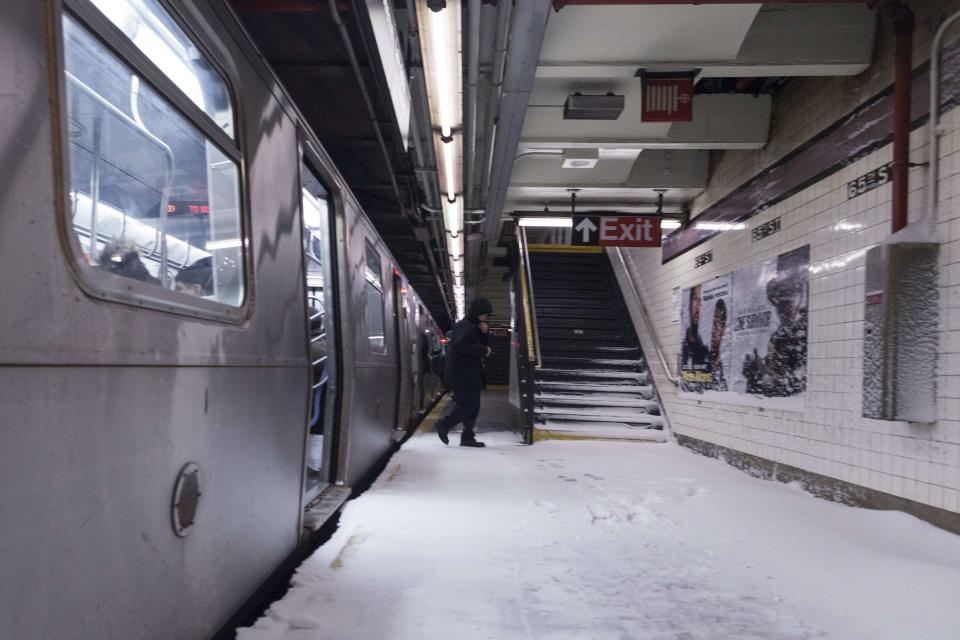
(529, 297)
(646, 318)
(528, 357)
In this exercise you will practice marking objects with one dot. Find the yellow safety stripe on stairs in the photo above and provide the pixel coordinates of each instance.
(546, 434)
(562, 248)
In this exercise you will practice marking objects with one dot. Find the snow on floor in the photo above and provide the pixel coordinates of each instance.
(611, 541)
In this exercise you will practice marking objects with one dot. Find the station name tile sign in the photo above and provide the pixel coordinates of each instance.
(616, 231)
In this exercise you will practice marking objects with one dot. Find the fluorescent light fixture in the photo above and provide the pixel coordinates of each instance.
(442, 66)
(440, 53)
(719, 226)
(847, 226)
(233, 243)
(450, 168)
(669, 224)
(545, 222)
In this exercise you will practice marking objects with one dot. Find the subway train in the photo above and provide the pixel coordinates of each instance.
(204, 343)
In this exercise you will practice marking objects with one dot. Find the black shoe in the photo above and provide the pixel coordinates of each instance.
(442, 432)
(471, 443)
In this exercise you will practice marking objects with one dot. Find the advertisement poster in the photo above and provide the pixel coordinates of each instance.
(754, 352)
(705, 351)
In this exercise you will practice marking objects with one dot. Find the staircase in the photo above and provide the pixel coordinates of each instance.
(593, 382)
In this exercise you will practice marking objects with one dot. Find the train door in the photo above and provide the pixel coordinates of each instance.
(321, 344)
(402, 333)
(413, 348)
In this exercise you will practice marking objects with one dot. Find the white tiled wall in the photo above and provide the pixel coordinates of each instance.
(918, 462)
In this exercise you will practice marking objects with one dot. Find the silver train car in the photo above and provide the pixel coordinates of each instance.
(202, 336)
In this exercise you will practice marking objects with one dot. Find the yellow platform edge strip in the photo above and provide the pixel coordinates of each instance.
(562, 248)
(430, 420)
(546, 434)
(498, 387)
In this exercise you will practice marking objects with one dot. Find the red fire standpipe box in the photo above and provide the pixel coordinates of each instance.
(667, 99)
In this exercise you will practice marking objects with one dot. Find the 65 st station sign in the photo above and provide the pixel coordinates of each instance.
(616, 231)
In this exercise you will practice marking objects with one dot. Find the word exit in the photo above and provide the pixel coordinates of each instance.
(620, 231)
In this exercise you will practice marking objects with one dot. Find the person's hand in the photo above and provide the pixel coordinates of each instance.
(489, 351)
(484, 327)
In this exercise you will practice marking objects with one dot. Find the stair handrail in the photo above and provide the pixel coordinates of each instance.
(530, 299)
(646, 317)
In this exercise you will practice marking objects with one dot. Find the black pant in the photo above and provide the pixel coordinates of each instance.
(466, 408)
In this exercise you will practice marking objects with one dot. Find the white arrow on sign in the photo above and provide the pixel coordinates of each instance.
(586, 227)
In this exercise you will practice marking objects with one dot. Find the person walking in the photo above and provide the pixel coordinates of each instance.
(464, 372)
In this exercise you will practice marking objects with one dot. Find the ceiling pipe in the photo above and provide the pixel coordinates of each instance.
(367, 100)
(470, 121)
(504, 9)
(904, 24)
(934, 132)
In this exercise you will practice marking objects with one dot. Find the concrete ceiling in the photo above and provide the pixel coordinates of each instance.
(599, 49)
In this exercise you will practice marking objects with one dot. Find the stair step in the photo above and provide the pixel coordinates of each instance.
(574, 275)
(586, 404)
(568, 387)
(583, 374)
(550, 350)
(636, 366)
(566, 312)
(583, 324)
(594, 399)
(624, 413)
(604, 362)
(580, 334)
(609, 430)
(560, 285)
(637, 418)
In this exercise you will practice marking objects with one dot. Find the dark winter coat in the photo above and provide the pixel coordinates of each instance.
(467, 349)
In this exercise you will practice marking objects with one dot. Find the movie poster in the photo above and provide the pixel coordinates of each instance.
(754, 352)
(705, 351)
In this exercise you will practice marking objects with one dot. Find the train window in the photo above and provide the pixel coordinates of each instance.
(158, 36)
(374, 288)
(152, 198)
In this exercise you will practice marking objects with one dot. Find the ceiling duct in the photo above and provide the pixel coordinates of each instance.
(605, 107)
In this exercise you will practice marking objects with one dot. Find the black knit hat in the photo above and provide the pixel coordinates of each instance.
(478, 307)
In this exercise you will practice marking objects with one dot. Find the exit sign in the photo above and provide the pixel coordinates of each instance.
(619, 231)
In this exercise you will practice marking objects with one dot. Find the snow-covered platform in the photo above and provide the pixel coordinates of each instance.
(611, 541)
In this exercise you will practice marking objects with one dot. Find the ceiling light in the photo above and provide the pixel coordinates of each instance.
(669, 224)
(580, 158)
(439, 22)
(719, 226)
(450, 169)
(445, 85)
(545, 222)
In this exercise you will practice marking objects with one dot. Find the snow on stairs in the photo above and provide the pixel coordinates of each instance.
(594, 382)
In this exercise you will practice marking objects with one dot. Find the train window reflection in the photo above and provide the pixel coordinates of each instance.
(152, 199)
(374, 289)
(160, 38)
